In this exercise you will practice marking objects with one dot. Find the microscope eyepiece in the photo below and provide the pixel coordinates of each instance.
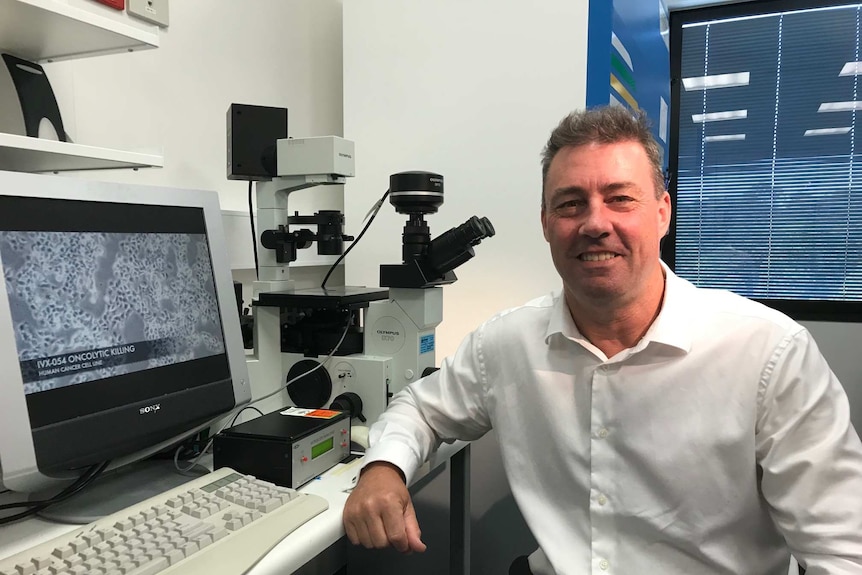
(454, 247)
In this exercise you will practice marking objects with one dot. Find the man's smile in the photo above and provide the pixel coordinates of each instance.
(597, 256)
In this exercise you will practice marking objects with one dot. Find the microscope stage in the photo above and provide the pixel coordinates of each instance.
(341, 297)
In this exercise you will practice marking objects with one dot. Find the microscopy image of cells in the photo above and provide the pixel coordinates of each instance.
(103, 304)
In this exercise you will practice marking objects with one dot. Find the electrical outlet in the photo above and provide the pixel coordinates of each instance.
(155, 11)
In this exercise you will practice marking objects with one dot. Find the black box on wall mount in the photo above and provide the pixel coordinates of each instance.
(252, 132)
(27, 103)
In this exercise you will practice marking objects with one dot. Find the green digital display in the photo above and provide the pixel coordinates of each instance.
(321, 448)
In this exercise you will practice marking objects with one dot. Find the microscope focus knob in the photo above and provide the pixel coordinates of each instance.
(349, 402)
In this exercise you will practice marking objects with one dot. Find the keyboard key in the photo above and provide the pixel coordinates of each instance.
(219, 533)
(91, 538)
(41, 562)
(175, 556)
(151, 567)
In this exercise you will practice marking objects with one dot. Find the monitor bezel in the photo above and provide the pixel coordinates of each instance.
(32, 460)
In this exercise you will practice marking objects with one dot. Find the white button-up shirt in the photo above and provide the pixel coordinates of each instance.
(720, 443)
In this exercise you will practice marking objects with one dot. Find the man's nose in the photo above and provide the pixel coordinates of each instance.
(596, 223)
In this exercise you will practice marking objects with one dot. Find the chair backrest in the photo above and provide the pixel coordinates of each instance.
(520, 566)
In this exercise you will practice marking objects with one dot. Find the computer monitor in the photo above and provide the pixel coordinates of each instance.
(119, 332)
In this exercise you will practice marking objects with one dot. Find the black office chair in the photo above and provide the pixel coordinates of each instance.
(520, 566)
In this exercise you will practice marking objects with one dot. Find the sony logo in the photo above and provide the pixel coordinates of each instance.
(150, 408)
(343, 155)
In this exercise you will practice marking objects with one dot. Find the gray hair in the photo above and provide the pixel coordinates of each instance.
(604, 125)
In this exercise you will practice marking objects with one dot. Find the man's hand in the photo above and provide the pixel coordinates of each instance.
(379, 512)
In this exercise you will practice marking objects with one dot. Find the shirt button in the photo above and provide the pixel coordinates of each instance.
(602, 500)
(603, 564)
(603, 433)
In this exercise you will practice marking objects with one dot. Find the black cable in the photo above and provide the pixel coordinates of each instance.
(36, 506)
(253, 233)
(356, 241)
(235, 417)
(85, 478)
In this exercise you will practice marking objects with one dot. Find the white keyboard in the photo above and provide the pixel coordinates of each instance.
(221, 523)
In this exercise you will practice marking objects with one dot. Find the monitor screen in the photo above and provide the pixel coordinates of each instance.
(121, 330)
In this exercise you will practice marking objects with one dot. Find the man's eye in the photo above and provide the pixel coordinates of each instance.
(569, 204)
(621, 199)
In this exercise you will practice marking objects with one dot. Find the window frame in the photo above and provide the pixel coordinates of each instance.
(798, 309)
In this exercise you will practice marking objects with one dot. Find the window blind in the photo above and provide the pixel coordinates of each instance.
(768, 194)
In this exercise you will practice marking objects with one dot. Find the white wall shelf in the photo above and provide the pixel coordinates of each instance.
(25, 154)
(49, 30)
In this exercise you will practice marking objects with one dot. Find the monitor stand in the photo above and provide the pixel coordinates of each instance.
(118, 489)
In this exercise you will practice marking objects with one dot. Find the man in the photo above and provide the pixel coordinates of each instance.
(646, 426)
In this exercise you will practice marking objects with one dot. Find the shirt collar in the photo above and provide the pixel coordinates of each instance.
(672, 327)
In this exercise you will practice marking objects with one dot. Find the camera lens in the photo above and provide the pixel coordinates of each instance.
(416, 192)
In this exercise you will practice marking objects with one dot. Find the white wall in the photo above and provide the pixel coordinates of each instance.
(469, 90)
(173, 100)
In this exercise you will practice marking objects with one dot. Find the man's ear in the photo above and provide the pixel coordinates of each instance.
(664, 213)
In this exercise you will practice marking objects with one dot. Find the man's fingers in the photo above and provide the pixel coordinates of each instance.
(350, 530)
(411, 527)
(378, 509)
(393, 520)
(359, 535)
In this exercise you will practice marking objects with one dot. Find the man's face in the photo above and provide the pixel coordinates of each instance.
(604, 223)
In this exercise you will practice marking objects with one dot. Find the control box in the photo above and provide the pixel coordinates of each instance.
(288, 447)
(252, 133)
(321, 155)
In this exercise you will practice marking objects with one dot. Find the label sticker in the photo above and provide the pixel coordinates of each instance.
(426, 343)
(305, 412)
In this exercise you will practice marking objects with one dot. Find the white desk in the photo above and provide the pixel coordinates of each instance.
(320, 540)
